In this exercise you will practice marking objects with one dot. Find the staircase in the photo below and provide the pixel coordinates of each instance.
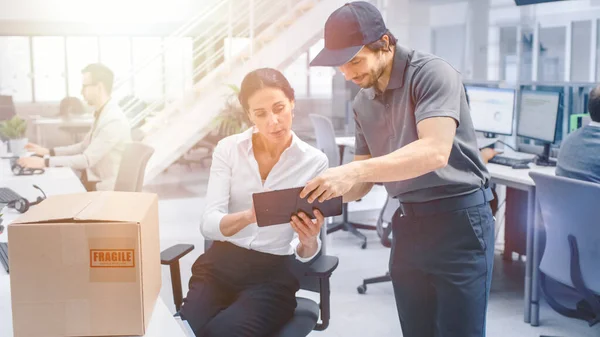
(276, 32)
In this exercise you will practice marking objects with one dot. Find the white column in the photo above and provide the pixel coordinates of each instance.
(528, 24)
(398, 20)
(409, 21)
(493, 54)
(420, 26)
(478, 22)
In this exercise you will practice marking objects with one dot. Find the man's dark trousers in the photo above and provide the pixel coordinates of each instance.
(441, 268)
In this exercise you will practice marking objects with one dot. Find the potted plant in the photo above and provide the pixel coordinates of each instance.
(232, 119)
(14, 130)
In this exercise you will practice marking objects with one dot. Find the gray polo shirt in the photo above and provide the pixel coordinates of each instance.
(421, 86)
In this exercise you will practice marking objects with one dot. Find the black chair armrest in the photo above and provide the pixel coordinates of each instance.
(323, 266)
(175, 253)
(171, 257)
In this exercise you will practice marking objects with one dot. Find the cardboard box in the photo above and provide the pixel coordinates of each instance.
(85, 265)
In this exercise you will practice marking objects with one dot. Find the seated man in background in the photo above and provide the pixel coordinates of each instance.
(99, 154)
(579, 156)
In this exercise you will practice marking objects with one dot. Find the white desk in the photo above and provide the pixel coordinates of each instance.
(345, 141)
(60, 181)
(520, 179)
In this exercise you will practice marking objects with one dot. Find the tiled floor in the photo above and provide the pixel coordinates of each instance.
(182, 190)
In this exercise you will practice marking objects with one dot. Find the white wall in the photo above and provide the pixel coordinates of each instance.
(449, 14)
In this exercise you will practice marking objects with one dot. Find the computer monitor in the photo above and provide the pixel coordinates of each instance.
(492, 110)
(537, 120)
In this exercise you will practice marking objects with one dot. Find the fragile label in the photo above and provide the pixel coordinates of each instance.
(112, 258)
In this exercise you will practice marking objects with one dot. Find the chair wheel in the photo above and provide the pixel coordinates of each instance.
(364, 245)
(361, 289)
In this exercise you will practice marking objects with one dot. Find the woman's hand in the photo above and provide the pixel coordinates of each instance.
(308, 230)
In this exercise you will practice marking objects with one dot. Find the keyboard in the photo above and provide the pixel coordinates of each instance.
(4, 255)
(7, 195)
(508, 161)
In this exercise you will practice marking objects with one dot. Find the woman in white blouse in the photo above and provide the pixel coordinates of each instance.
(241, 285)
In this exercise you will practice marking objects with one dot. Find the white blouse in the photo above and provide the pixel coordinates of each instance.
(234, 177)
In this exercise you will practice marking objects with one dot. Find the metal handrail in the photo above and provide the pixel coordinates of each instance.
(260, 14)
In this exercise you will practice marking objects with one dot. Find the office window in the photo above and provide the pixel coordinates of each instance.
(551, 64)
(15, 68)
(581, 34)
(178, 66)
(81, 51)
(296, 73)
(148, 79)
(320, 80)
(115, 53)
(49, 68)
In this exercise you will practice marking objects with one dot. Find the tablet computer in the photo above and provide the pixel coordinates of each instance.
(277, 207)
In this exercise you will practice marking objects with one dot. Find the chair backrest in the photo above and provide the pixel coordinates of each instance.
(570, 207)
(71, 106)
(325, 135)
(133, 167)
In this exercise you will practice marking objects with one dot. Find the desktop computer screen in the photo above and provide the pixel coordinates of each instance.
(492, 109)
(538, 115)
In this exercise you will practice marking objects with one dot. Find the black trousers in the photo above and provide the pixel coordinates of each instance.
(239, 292)
(441, 269)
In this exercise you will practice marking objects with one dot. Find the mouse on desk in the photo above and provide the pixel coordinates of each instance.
(520, 166)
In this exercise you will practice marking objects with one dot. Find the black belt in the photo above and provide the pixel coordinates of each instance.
(479, 197)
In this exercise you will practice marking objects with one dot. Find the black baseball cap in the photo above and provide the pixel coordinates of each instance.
(347, 30)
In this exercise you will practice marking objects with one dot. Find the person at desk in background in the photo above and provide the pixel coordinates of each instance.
(99, 154)
(241, 285)
(414, 133)
(579, 155)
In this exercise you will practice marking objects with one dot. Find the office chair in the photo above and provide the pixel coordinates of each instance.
(570, 214)
(325, 136)
(384, 230)
(70, 106)
(313, 276)
(7, 108)
(133, 167)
